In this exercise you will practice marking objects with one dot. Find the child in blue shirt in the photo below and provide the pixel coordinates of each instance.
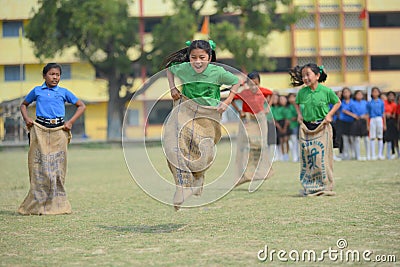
(377, 122)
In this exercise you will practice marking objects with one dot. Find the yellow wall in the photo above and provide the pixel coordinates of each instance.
(384, 41)
(96, 120)
(354, 42)
(305, 42)
(389, 80)
(279, 45)
(383, 5)
(330, 42)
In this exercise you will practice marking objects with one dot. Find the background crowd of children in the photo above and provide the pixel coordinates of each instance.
(373, 121)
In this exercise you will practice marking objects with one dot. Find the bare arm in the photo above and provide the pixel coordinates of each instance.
(24, 112)
(351, 114)
(175, 93)
(223, 106)
(79, 111)
(299, 115)
(328, 117)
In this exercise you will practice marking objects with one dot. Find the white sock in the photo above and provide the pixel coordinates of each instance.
(357, 147)
(372, 148)
(389, 150)
(380, 148)
(367, 150)
(346, 147)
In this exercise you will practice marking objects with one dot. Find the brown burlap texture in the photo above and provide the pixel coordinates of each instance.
(316, 159)
(252, 162)
(189, 139)
(47, 163)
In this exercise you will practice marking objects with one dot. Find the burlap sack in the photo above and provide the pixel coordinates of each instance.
(189, 139)
(316, 159)
(47, 163)
(252, 161)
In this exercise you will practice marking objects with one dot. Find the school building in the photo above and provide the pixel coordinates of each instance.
(356, 41)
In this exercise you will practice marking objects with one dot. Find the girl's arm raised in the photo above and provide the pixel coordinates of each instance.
(175, 93)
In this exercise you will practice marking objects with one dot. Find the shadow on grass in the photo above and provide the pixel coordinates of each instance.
(9, 213)
(152, 229)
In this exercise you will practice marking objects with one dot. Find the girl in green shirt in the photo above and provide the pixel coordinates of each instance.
(315, 134)
(193, 128)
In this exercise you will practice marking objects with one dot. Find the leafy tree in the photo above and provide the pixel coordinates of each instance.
(102, 32)
(257, 19)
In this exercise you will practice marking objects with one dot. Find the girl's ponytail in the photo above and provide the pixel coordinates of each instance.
(297, 78)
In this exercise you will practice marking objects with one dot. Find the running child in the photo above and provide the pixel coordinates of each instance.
(189, 141)
(315, 135)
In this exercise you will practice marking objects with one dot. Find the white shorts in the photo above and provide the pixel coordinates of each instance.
(376, 128)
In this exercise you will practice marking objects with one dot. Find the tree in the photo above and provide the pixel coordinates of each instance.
(102, 32)
(173, 31)
(257, 19)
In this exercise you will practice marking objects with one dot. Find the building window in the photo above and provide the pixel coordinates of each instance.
(385, 62)
(329, 21)
(13, 73)
(355, 63)
(352, 20)
(306, 23)
(332, 63)
(158, 111)
(149, 23)
(283, 64)
(66, 71)
(11, 28)
(301, 61)
(377, 20)
(133, 117)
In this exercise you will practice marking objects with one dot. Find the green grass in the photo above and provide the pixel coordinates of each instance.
(115, 224)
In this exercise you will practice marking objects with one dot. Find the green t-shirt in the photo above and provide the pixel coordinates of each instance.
(204, 88)
(280, 113)
(316, 102)
(292, 117)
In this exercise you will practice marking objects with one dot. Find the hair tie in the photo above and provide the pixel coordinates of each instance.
(212, 44)
(188, 43)
(321, 68)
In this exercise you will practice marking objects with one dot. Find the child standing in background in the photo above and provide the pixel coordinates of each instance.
(345, 123)
(294, 128)
(390, 136)
(359, 129)
(377, 122)
(282, 124)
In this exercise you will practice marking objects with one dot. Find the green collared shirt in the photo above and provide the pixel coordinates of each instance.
(315, 103)
(204, 88)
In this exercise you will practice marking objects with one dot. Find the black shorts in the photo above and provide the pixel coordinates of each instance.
(391, 133)
(359, 128)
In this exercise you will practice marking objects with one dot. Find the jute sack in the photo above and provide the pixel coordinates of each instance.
(189, 139)
(47, 163)
(316, 159)
(252, 161)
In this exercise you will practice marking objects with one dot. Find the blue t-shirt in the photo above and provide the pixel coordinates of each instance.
(376, 108)
(359, 107)
(50, 102)
(345, 106)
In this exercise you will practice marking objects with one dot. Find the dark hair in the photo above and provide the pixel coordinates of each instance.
(356, 92)
(51, 66)
(290, 94)
(182, 55)
(254, 75)
(376, 88)
(343, 89)
(279, 100)
(297, 78)
(391, 92)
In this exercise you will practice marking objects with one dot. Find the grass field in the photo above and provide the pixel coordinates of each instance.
(115, 224)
